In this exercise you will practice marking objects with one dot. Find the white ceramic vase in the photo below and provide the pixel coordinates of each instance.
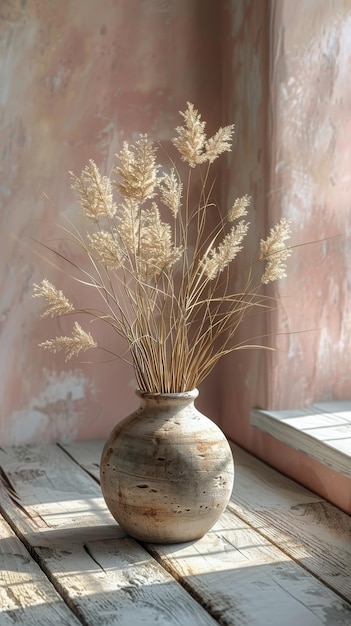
(167, 471)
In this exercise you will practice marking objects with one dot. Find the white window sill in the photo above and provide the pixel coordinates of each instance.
(322, 431)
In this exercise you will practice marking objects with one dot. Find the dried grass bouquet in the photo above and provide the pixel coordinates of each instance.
(165, 285)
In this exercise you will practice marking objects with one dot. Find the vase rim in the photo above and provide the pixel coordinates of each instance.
(179, 395)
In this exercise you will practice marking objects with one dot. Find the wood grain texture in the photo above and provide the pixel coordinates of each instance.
(309, 529)
(46, 490)
(26, 595)
(104, 577)
(240, 577)
(87, 454)
(116, 581)
(323, 432)
(237, 572)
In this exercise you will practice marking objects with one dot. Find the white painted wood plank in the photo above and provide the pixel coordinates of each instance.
(316, 434)
(49, 488)
(243, 579)
(87, 454)
(309, 529)
(27, 597)
(116, 582)
(226, 569)
(74, 526)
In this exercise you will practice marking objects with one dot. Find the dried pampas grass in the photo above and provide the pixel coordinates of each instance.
(168, 296)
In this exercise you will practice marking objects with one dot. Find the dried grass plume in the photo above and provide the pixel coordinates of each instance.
(162, 273)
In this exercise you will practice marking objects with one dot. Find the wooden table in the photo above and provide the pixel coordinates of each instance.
(280, 555)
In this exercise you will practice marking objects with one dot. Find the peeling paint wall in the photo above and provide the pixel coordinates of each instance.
(77, 78)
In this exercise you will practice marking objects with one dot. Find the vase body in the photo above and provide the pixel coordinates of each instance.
(166, 470)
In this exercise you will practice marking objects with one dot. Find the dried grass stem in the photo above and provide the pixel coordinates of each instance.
(165, 286)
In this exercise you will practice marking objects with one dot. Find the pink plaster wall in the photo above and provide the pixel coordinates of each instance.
(245, 100)
(291, 99)
(77, 78)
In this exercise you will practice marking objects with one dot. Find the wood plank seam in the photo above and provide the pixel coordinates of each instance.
(182, 580)
(88, 551)
(24, 587)
(86, 470)
(268, 536)
(163, 563)
(246, 519)
(148, 547)
(224, 574)
(293, 517)
(282, 522)
(12, 495)
(40, 558)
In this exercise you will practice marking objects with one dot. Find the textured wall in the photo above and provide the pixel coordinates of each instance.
(245, 63)
(291, 99)
(77, 78)
(310, 181)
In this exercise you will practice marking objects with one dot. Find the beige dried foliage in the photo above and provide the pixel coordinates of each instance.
(171, 189)
(137, 170)
(219, 143)
(239, 208)
(105, 245)
(129, 222)
(274, 252)
(71, 346)
(157, 251)
(217, 259)
(94, 193)
(191, 137)
(56, 302)
(164, 286)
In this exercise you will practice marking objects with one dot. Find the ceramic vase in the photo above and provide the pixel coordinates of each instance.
(167, 471)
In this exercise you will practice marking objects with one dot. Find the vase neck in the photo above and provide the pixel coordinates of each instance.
(167, 399)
